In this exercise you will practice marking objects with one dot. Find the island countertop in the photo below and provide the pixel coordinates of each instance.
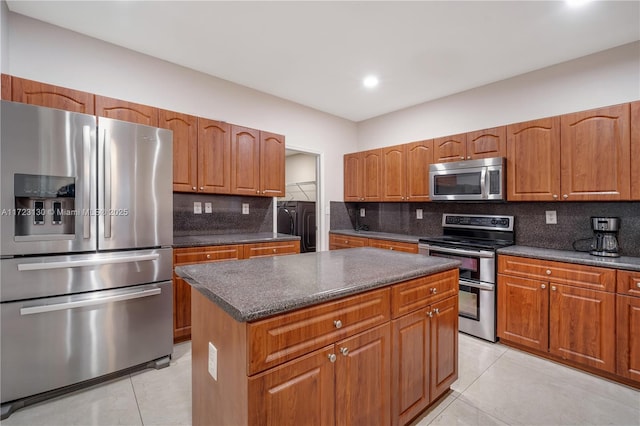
(252, 289)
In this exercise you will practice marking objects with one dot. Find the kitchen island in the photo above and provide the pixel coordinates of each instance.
(356, 336)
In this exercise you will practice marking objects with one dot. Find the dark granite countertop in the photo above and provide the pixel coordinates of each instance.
(256, 288)
(380, 235)
(223, 239)
(622, 262)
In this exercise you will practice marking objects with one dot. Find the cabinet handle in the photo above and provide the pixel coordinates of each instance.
(462, 158)
(638, 284)
(390, 248)
(346, 241)
(565, 196)
(548, 271)
(202, 188)
(469, 157)
(332, 357)
(275, 251)
(553, 288)
(436, 311)
(433, 290)
(193, 187)
(208, 256)
(543, 286)
(258, 191)
(430, 314)
(338, 323)
(555, 196)
(344, 351)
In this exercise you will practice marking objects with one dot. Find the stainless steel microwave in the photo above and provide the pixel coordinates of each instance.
(473, 180)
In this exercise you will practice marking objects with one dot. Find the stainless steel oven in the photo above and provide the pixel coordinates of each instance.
(473, 240)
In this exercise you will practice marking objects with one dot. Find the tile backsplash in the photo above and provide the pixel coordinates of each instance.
(226, 214)
(530, 228)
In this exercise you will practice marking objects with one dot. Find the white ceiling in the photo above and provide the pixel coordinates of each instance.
(316, 53)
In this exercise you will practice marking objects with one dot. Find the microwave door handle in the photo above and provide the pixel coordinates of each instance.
(107, 185)
(86, 187)
(483, 183)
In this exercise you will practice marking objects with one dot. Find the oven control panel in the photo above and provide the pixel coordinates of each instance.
(504, 223)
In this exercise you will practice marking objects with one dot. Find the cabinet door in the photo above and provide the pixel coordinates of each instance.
(595, 154)
(628, 332)
(419, 156)
(450, 148)
(635, 150)
(48, 95)
(487, 143)
(245, 161)
(582, 326)
(372, 176)
(443, 346)
(410, 360)
(394, 245)
(353, 177)
(271, 249)
(271, 164)
(214, 157)
(342, 241)
(394, 173)
(533, 160)
(6, 87)
(363, 378)
(126, 111)
(185, 148)
(181, 310)
(299, 392)
(523, 311)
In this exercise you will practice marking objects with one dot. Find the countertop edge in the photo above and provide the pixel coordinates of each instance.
(402, 238)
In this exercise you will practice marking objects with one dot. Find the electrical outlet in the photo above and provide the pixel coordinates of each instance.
(245, 208)
(418, 213)
(197, 207)
(213, 361)
(208, 208)
(551, 217)
(362, 212)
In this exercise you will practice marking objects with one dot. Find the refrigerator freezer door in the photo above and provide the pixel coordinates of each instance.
(48, 172)
(55, 342)
(135, 182)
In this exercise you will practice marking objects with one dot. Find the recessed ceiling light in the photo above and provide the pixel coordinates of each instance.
(577, 3)
(370, 81)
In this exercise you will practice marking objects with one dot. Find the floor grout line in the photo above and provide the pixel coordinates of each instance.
(135, 397)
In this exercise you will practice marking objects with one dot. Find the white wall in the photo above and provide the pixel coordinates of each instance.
(605, 78)
(50, 54)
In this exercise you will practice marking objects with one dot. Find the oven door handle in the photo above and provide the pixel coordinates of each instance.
(479, 285)
(479, 253)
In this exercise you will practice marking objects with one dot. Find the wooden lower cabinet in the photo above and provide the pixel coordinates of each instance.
(628, 336)
(341, 241)
(394, 245)
(337, 241)
(271, 249)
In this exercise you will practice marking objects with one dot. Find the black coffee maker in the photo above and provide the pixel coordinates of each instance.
(605, 240)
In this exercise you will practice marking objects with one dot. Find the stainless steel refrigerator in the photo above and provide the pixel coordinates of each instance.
(86, 229)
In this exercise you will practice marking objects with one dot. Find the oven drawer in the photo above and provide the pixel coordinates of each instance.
(589, 277)
(412, 295)
(55, 342)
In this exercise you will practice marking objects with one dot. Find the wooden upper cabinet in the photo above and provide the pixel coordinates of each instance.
(635, 150)
(272, 158)
(245, 161)
(394, 173)
(353, 177)
(48, 95)
(533, 160)
(6, 87)
(450, 148)
(487, 143)
(126, 111)
(419, 155)
(185, 148)
(372, 176)
(214, 157)
(595, 154)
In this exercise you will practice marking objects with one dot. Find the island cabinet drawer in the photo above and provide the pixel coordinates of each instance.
(271, 249)
(342, 241)
(590, 277)
(275, 340)
(185, 256)
(418, 293)
(394, 245)
(629, 283)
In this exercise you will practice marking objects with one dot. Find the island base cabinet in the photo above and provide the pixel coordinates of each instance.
(628, 318)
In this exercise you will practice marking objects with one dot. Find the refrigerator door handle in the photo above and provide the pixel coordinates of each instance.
(85, 262)
(86, 188)
(107, 185)
(88, 302)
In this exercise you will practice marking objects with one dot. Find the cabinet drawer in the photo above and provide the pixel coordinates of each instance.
(590, 277)
(287, 336)
(343, 241)
(420, 292)
(271, 249)
(394, 245)
(185, 256)
(629, 283)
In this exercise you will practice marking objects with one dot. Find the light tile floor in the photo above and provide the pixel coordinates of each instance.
(497, 386)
